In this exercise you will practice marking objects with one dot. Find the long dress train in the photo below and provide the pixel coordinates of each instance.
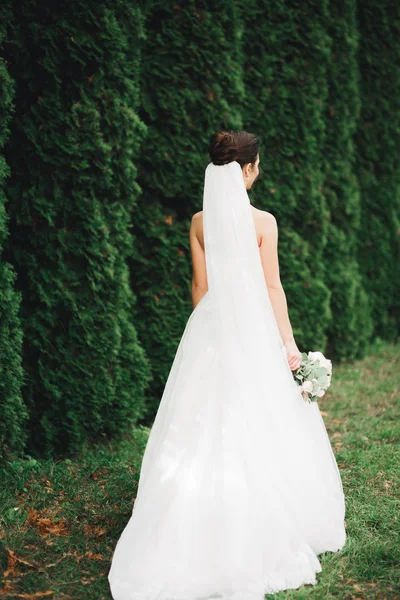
(239, 488)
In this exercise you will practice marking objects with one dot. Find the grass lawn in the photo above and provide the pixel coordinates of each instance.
(60, 520)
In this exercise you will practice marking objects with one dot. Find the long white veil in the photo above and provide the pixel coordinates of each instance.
(236, 283)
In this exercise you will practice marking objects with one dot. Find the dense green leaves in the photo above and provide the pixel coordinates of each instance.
(13, 412)
(72, 196)
(191, 86)
(378, 152)
(288, 51)
(112, 108)
(350, 330)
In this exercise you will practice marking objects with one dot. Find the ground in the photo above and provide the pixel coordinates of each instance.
(60, 520)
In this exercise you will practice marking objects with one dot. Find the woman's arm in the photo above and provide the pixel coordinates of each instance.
(199, 272)
(270, 263)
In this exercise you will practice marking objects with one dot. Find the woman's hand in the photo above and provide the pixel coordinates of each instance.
(293, 355)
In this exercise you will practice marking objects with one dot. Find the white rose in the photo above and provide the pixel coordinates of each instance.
(327, 364)
(307, 386)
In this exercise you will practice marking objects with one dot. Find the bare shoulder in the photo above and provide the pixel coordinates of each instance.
(196, 221)
(197, 216)
(266, 220)
(263, 214)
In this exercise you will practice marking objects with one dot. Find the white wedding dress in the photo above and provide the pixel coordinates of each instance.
(239, 488)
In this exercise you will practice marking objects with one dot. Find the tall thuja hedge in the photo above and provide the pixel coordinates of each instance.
(287, 53)
(350, 330)
(378, 156)
(191, 86)
(75, 137)
(13, 412)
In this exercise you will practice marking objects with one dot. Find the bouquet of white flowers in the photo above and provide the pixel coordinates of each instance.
(313, 375)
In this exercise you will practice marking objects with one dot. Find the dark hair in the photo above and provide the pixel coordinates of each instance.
(227, 145)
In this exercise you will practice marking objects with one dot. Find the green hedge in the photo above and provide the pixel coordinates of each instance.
(72, 151)
(351, 327)
(378, 154)
(191, 85)
(287, 53)
(13, 412)
(114, 107)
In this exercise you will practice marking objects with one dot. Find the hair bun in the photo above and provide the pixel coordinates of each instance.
(222, 148)
(227, 145)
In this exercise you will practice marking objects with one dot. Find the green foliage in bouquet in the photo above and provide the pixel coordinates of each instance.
(313, 376)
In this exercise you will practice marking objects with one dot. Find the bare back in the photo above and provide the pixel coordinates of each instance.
(257, 222)
(267, 239)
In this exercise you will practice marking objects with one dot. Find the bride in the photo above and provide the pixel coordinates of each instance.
(239, 489)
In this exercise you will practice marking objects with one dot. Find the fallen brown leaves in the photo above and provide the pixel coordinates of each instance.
(94, 530)
(46, 525)
(35, 595)
(12, 573)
